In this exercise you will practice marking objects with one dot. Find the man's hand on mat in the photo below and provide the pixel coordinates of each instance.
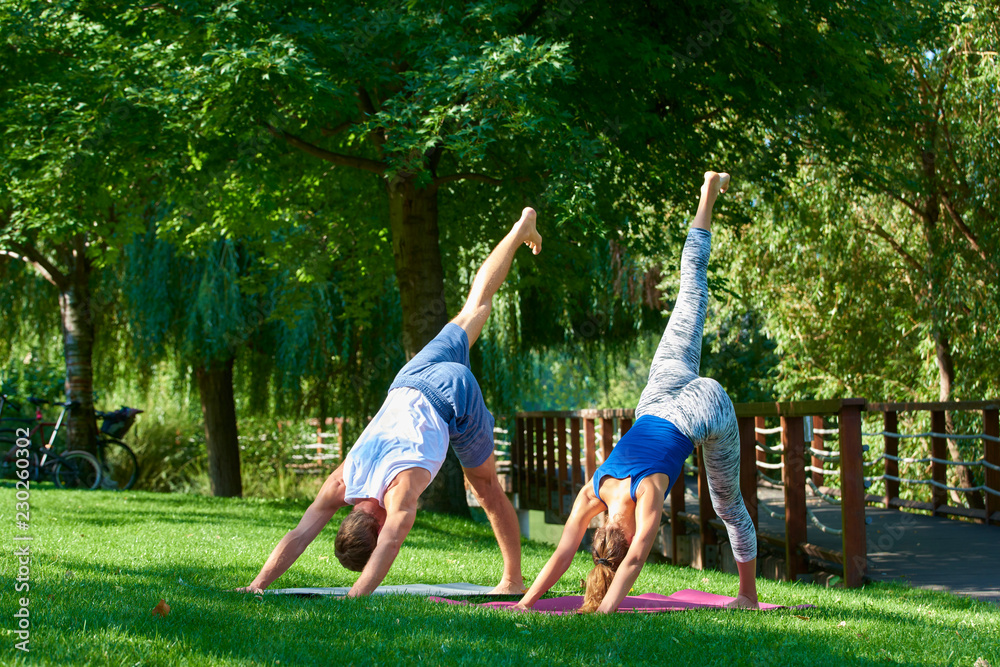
(256, 590)
(743, 602)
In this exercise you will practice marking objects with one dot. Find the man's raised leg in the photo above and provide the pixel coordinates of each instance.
(493, 272)
(486, 487)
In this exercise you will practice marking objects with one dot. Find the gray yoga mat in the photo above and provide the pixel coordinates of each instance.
(426, 590)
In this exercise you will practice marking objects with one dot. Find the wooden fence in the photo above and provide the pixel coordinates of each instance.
(553, 454)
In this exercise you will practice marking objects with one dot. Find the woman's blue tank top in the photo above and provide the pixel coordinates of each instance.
(652, 445)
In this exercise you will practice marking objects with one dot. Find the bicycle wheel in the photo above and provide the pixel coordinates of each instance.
(76, 470)
(119, 465)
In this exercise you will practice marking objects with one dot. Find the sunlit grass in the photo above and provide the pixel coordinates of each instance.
(103, 561)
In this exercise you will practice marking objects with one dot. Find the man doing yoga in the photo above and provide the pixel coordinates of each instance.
(434, 400)
(677, 410)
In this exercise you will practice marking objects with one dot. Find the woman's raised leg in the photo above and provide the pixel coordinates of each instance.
(681, 341)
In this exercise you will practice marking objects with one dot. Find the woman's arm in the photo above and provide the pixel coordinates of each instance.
(648, 509)
(584, 509)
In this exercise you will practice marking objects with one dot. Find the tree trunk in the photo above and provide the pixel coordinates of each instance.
(218, 406)
(413, 220)
(78, 348)
(946, 378)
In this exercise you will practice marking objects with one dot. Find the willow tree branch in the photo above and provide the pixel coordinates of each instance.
(901, 200)
(887, 237)
(465, 176)
(43, 266)
(363, 163)
(964, 229)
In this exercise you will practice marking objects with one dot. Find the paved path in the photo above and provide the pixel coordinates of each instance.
(927, 552)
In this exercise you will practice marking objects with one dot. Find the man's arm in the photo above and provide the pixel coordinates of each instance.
(649, 507)
(329, 499)
(576, 525)
(401, 510)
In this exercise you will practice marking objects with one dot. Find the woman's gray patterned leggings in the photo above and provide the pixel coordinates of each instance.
(699, 406)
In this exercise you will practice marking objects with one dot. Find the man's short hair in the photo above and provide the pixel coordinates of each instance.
(356, 540)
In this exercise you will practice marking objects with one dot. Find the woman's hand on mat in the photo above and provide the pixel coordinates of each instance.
(743, 602)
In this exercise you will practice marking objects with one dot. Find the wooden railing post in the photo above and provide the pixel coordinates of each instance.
(551, 481)
(793, 476)
(517, 458)
(890, 424)
(705, 514)
(677, 526)
(991, 454)
(607, 436)
(590, 448)
(761, 438)
(939, 450)
(819, 445)
(538, 454)
(852, 503)
(624, 424)
(574, 445)
(748, 466)
(564, 476)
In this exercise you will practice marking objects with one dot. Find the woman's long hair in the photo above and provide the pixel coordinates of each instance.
(610, 547)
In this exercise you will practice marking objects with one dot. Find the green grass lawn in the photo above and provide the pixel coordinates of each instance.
(102, 561)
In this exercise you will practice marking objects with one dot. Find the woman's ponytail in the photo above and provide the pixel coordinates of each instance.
(610, 547)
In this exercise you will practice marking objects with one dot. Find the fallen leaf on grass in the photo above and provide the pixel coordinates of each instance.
(324, 557)
(161, 609)
(842, 624)
(804, 618)
(981, 662)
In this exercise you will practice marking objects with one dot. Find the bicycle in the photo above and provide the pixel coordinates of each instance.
(69, 470)
(118, 462)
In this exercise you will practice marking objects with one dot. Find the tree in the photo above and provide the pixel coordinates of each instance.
(894, 285)
(75, 162)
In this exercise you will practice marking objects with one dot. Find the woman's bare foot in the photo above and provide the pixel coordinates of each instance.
(715, 183)
(526, 230)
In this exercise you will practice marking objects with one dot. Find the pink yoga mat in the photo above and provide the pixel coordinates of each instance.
(646, 603)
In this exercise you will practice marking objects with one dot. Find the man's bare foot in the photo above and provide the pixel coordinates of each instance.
(715, 183)
(526, 230)
(509, 588)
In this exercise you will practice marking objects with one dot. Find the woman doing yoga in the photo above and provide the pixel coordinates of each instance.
(677, 410)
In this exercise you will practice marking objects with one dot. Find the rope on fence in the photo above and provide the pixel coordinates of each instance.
(770, 512)
(823, 471)
(826, 431)
(768, 431)
(775, 482)
(769, 450)
(822, 526)
(931, 482)
(823, 454)
(812, 517)
(818, 493)
(935, 434)
(770, 466)
(929, 459)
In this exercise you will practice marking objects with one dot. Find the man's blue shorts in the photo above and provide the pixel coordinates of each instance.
(441, 372)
